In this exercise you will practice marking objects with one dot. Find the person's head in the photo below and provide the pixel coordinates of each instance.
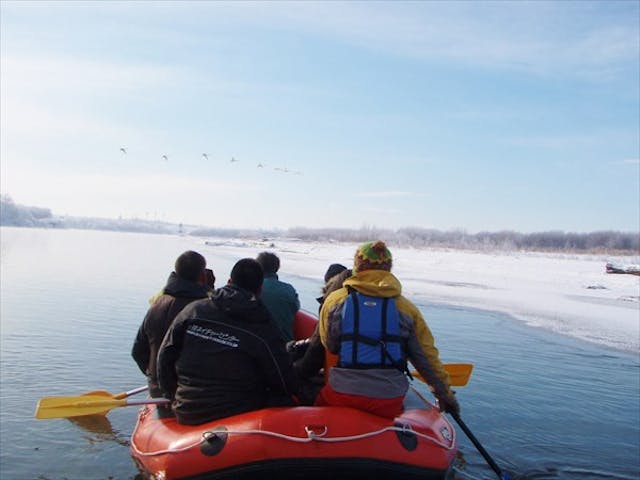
(191, 266)
(372, 256)
(248, 275)
(210, 278)
(333, 270)
(269, 262)
(333, 284)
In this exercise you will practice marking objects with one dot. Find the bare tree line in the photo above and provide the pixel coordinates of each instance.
(20, 215)
(608, 241)
(502, 240)
(600, 241)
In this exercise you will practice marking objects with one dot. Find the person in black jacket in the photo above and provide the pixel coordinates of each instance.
(224, 355)
(187, 283)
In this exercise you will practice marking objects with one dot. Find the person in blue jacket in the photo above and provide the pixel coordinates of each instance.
(280, 298)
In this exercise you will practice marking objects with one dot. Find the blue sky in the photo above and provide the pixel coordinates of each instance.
(481, 116)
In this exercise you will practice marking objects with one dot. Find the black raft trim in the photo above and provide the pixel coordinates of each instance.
(324, 469)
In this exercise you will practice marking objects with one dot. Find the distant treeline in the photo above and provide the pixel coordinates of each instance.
(12, 214)
(16, 215)
(603, 241)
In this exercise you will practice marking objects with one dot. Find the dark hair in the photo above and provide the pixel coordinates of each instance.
(269, 262)
(190, 265)
(247, 273)
(210, 278)
(333, 270)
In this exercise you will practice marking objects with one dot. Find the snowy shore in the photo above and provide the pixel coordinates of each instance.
(568, 294)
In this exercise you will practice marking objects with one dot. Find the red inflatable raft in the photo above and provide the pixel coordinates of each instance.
(298, 442)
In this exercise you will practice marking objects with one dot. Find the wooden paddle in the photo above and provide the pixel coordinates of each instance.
(88, 404)
(459, 373)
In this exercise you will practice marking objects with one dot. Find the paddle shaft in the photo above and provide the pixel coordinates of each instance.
(132, 392)
(117, 396)
(502, 475)
(148, 401)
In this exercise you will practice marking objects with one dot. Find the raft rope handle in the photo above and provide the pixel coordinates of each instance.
(311, 436)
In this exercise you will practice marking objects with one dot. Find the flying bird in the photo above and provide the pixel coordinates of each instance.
(123, 150)
(165, 158)
(233, 159)
(260, 165)
(206, 157)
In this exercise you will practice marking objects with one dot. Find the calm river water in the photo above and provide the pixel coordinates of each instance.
(545, 407)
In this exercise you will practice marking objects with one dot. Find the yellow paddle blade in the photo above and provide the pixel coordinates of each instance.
(64, 407)
(102, 393)
(459, 373)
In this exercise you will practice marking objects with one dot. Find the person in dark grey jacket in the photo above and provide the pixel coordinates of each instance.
(224, 355)
(186, 284)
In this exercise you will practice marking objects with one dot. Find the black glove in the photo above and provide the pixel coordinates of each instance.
(448, 403)
(296, 349)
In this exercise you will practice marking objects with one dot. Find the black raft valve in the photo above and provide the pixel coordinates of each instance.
(213, 441)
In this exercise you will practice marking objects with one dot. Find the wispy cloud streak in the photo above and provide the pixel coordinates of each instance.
(388, 194)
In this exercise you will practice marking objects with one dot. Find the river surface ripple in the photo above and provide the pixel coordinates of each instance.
(544, 406)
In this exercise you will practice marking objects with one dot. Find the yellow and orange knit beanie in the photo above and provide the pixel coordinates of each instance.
(372, 256)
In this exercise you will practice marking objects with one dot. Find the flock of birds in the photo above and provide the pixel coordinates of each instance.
(123, 150)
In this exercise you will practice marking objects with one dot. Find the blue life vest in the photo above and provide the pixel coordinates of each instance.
(370, 333)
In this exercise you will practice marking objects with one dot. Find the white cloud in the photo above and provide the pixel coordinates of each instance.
(388, 194)
(568, 38)
(631, 161)
(114, 195)
(46, 97)
(41, 74)
(564, 39)
(582, 140)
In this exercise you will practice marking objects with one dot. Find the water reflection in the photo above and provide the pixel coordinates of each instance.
(100, 429)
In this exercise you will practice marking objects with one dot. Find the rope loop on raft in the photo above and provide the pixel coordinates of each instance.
(311, 437)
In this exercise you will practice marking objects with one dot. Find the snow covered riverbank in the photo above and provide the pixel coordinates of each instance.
(569, 294)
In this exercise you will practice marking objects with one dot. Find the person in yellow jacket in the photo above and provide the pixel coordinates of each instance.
(374, 330)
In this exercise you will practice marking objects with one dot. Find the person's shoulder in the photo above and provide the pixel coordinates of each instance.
(405, 305)
(281, 285)
(205, 302)
(336, 297)
(160, 302)
(198, 307)
(289, 287)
